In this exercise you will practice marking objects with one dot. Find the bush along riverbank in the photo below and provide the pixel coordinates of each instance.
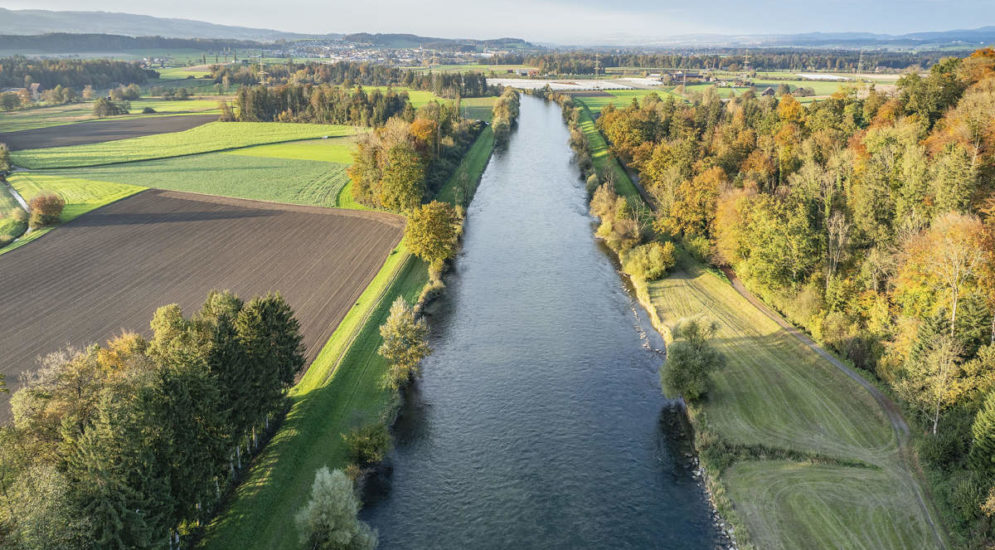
(781, 423)
(643, 255)
(433, 235)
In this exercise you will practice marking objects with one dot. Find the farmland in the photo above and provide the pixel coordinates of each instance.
(100, 131)
(214, 136)
(72, 113)
(160, 247)
(257, 177)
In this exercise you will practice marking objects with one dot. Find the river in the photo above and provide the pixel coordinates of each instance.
(538, 420)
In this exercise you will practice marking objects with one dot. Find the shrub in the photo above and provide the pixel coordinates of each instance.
(4, 241)
(368, 444)
(650, 261)
(105, 107)
(46, 208)
(699, 247)
(329, 519)
(148, 111)
(18, 215)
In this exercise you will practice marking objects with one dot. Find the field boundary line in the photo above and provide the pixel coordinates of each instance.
(401, 267)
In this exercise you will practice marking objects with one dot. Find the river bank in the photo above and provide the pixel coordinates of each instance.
(797, 454)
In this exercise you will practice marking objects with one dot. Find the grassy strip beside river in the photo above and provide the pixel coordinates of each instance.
(341, 390)
(797, 454)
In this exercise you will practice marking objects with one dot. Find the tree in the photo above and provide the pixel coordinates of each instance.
(693, 209)
(690, 360)
(105, 107)
(983, 442)
(403, 183)
(46, 209)
(329, 520)
(933, 382)
(5, 164)
(433, 232)
(404, 343)
(368, 444)
(650, 261)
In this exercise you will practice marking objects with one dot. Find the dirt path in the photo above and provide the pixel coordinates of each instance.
(891, 410)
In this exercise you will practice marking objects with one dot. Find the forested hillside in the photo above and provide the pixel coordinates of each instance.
(867, 218)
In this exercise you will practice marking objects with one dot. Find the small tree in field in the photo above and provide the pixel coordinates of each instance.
(5, 165)
(46, 208)
(433, 232)
(690, 360)
(405, 343)
(328, 521)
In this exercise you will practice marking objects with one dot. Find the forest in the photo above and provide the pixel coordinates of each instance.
(126, 444)
(21, 72)
(731, 59)
(868, 219)
(409, 159)
(319, 104)
(349, 74)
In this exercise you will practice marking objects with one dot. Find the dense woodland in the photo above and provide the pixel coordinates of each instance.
(133, 443)
(867, 218)
(348, 74)
(399, 165)
(21, 72)
(792, 59)
(320, 104)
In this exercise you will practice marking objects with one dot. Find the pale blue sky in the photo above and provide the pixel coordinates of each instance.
(565, 21)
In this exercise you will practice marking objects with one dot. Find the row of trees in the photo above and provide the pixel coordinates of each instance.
(869, 219)
(731, 59)
(320, 104)
(505, 115)
(20, 71)
(396, 167)
(131, 444)
(349, 74)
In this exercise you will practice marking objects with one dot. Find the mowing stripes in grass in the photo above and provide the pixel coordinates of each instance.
(338, 150)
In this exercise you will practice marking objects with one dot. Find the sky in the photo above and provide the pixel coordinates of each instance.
(559, 21)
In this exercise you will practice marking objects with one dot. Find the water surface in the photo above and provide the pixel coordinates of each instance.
(538, 421)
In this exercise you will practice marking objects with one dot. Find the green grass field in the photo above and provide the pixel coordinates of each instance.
(214, 136)
(307, 182)
(480, 108)
(338, 150)
(622, 98)
(777, 395)
(81, 195)
(461, 186)
(333, 397)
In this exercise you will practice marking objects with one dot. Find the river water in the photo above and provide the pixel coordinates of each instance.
(538, 421)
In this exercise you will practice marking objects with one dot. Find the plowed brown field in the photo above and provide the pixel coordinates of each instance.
(100, 131)
(109, 270)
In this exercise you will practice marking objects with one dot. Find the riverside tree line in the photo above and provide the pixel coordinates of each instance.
(350, 74)
(132, 444)
(868, 219)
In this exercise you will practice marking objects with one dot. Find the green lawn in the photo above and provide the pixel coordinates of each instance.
(249, 177)
(599, 154)
(332, 398)
(777, 396)
(214, 136)
(480, 108)
(81, 195)
(463, 183)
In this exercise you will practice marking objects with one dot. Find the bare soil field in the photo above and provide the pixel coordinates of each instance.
(109, 270)
(100, 131)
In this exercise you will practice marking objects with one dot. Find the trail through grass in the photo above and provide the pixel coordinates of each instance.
(461, 186)
(603, 161)
(81, 195)
(214, 136)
